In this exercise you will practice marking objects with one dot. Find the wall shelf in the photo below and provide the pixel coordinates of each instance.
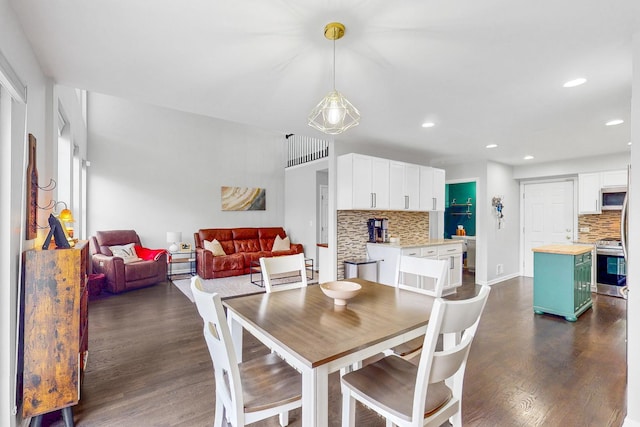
(468, 204)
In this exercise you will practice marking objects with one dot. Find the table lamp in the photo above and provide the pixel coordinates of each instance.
(174, 237)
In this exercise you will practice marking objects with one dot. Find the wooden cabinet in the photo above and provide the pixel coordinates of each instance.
(55, 328)
(431, 189)
(562, 281)
(363, 182)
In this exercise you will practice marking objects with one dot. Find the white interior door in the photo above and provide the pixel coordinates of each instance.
(548, 217)
(324, 214)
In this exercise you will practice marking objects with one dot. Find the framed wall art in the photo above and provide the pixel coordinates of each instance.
(243, 199)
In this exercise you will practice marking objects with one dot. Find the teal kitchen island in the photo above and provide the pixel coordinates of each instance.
(562, 280)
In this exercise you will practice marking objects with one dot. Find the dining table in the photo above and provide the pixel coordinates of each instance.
(317, 337)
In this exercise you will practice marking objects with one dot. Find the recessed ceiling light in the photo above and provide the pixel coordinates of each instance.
(492, 145)
(614, 122)
(428, 124)
(528, 157)
(629, 143)
(575, 82)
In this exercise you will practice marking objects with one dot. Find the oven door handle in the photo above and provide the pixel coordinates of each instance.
(611, 252)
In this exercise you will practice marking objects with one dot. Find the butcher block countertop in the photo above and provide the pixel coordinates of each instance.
(564, 249)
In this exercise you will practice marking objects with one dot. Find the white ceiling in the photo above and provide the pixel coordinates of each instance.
(485, 72)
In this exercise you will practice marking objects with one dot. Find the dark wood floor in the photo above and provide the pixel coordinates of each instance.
(148, 364)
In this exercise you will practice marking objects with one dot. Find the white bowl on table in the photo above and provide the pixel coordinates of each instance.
(340, 291)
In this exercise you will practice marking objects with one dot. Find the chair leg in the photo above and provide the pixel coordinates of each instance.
(284, 418)
(348, 409)
(219, 416)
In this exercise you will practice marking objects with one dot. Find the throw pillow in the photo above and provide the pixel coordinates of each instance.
(126, 252)
(214, 247)
(281, 244)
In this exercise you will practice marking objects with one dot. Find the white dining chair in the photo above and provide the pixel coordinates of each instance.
(289, 266)
(427, 394)
(430, 277)
(249, 391)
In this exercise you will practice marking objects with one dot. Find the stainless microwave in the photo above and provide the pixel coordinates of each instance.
(612, 198)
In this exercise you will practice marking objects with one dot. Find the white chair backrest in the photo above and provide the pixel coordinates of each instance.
(427, 271)
(286, 265)
(457, 318)
(218, 337)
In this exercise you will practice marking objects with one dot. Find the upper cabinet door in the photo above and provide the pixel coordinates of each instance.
(589, 193)
(614, 178)
(396, 186)
(438, 188)
(362, 182)
(431, 189)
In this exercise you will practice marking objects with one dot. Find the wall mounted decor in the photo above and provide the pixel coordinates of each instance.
(32, 191)
(243, 199)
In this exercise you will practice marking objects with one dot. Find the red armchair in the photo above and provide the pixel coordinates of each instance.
(149, 269)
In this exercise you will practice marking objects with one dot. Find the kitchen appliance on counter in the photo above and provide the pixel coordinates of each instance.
(611, 267)
(378, 230)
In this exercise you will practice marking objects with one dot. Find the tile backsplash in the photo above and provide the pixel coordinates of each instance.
(353, 234)
(601, 226)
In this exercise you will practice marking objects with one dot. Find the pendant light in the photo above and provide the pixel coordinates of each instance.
(334, 113)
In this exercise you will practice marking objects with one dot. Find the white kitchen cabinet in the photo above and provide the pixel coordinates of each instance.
(362, 182)
(453, 254)
(614, 178)
(388, 255)
(404, 186)
(589, 185)
(431, 189)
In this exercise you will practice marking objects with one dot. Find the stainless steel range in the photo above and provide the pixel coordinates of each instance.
(611, 268)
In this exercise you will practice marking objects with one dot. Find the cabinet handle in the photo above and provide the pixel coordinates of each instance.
(434, 204)
(406, 202)
(450, 263)
(371, 204)
(375, 200)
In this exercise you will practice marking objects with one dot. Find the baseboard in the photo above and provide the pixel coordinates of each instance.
(499, 279)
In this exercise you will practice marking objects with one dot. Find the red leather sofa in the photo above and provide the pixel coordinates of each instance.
(241, 246)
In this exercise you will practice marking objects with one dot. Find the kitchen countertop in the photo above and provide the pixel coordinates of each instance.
(564, 249)
(417, 244)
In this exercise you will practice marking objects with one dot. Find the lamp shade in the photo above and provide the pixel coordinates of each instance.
(174, 237)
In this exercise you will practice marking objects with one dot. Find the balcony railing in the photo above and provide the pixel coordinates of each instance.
(304, 149)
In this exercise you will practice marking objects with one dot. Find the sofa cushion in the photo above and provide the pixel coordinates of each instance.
(246, 240)
(280, 244)
(267, 236)
(222, 235)
(228, 262)
(126, 252)
(214, 247)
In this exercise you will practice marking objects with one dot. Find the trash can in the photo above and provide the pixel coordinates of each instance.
(361, 268)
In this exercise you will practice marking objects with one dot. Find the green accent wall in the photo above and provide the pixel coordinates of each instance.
(460, 208)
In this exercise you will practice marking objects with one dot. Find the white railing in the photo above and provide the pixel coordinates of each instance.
(303, 149)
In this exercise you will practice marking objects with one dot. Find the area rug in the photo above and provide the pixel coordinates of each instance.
(230, 287)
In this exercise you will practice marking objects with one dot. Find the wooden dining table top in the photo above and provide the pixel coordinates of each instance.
(308, 324)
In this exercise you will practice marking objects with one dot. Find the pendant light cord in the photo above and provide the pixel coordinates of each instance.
(334, 59)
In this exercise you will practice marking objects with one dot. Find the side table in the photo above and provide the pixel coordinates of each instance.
(181, 257)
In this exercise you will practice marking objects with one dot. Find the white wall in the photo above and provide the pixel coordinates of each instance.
(301, 204)
(42, 95)
(633, 304)
(155, 170)
(504, 241)
(573, 167)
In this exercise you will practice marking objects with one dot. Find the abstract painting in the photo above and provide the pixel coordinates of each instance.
(243, 199)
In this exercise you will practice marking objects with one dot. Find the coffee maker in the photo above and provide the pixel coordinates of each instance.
(378, 230)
